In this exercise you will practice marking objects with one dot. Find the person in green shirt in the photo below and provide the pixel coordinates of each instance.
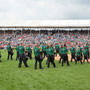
(22, 56)
(57, 48)
(37, 56)
(64, 52)
(9, 49)
(17, 49)
(85, 53)
(87, 47)
(47, 54)
(72, 50)
(60, 54)
(29, 50)
(50, 53)
(78, 55)
(80, 48)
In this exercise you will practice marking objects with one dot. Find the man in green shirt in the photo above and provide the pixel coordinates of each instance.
(9, 49)
(44, 47)
(87, 47)
(78, 55)
(64, 53)
(72, 50)
(37, 56)
(17, 49)
(50, 53)
(22, 56)
(57, 48)
(60, 54)
(85, 53)
(80, 48)
(29, 50)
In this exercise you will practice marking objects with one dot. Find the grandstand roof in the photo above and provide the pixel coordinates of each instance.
(49, 25)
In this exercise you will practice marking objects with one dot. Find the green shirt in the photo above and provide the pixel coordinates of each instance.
(78, 52)
(57, 47)
(87, 47)
(21, 50)
(80, 49)
(85, 51)
(72, 49)
(17, 48)
(60, 50)
(63, 50)
(9, 47)
(28, 49)
(50, 51)
(44, 48)
(36, 51)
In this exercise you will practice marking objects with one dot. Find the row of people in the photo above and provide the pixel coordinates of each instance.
(49, 52)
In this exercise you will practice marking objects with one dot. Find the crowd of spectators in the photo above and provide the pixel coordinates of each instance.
(32, 38)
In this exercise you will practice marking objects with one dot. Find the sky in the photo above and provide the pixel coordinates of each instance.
(14, 11)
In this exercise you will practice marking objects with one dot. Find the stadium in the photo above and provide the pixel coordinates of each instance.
(69, 32)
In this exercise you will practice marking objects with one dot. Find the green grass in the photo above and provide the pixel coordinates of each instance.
(75, 77)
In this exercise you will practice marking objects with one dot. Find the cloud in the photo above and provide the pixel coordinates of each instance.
(25, 10)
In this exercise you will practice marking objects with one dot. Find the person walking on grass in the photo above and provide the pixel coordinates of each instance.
(64, 53)
(22, 56)
(72, 49)
(37, 56)
(78, 55)
(50, 58)
(29, 50)
(85, 53)
(9, 49)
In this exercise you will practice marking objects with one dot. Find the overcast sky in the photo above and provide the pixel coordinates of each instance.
(25, 10)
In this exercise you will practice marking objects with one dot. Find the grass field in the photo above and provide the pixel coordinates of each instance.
(75, 77)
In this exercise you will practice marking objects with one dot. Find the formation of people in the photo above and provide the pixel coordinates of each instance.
(49, 52)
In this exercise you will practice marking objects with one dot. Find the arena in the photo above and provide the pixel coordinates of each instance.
(75, 76)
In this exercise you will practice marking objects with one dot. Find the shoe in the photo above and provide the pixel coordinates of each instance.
(27, 66)
(41, 68)
(59, 62)
(68, 65)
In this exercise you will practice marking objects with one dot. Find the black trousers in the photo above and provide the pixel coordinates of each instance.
(88, 53)
(73, 57)
(81, 56)
(22, 58)
(44, 53)
(61, 57)
(9, 54)
(0, 57)
(51, 59)
(47, 60)
(17, 57)
(79, 59)
(65, 58)
(30, 55)
(85, 57)
(38, 59)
